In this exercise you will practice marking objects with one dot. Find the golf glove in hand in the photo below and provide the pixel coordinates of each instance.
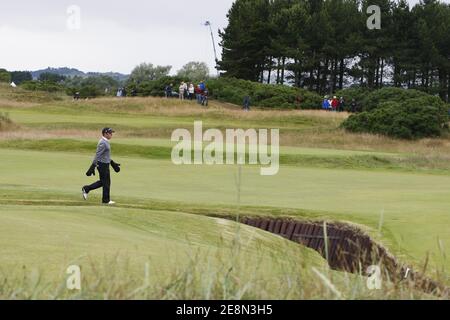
(115, 166)
(91, 171)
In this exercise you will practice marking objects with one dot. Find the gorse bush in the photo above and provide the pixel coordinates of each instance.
(154, 88)
(47, 86)
(91, 87)
(357, 93)
(406, 119)
(370, 99)
(262, 95)
(374, 99)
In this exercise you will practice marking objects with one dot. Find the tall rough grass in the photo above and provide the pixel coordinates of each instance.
(5, 122)
(233, 278)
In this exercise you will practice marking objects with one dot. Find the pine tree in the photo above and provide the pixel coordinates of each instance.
(325, 45)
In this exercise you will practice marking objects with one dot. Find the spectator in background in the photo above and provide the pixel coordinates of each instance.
(168, 91)
(124, 92)
(335, 103)
(185, 90)
(341, 104)
(119, 92)
(202, 86)
(199, 92)
(191, 91)
(181, 91)
(205, 97)
(354, 106)
(326, 103)
(298, 102)
(246, 103)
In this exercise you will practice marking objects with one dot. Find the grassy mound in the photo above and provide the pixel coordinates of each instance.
(124, 242)
(22, 97)
(150, 254)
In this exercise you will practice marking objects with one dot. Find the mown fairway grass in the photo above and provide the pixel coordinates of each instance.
(47, 239)
(161, 207)
(414, 205)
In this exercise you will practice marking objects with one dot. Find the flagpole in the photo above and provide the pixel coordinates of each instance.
(208, 24)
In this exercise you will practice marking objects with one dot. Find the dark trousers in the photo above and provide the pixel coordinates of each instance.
(105, 182)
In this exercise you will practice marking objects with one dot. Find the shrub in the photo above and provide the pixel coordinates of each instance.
(154, 88)
(90, 91)
(408, 119)
(374, 99)
(262, 95)
(51, 77)
(47, 86)
(233, 91)
(5, 76)
(20, 76)
(357, 93)
(91, 87)
(370, 99)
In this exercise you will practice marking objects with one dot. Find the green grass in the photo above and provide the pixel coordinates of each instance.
(50, 238)
(153, 254)
(67, 233)
(415, 205)
(290, 156)
(129, 115)
(162, 217)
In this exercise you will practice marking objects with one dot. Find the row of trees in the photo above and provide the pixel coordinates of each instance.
(194, 71)
(149, 80)
(325, 45)
(19, 77)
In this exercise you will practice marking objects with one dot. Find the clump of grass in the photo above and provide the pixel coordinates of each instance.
(5, 122)
(228, 273)
(199, 280)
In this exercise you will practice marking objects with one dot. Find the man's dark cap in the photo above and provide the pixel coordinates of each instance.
(107, 130)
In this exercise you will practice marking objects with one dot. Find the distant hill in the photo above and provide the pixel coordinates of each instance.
(71, 72)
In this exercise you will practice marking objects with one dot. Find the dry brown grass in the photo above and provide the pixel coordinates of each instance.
(6, 124)
(175, 107)
(323, 130)
(22, 98)
(340, 139)
(8, 103)
(429, 150)
(30, 134)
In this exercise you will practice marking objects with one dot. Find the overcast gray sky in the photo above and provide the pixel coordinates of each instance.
(113, 35)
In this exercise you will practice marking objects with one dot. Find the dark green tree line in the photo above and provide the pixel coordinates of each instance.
(325, 45)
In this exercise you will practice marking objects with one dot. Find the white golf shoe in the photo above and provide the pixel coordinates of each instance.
(85, 194)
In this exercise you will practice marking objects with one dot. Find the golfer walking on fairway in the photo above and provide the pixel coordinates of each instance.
(102, 161)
